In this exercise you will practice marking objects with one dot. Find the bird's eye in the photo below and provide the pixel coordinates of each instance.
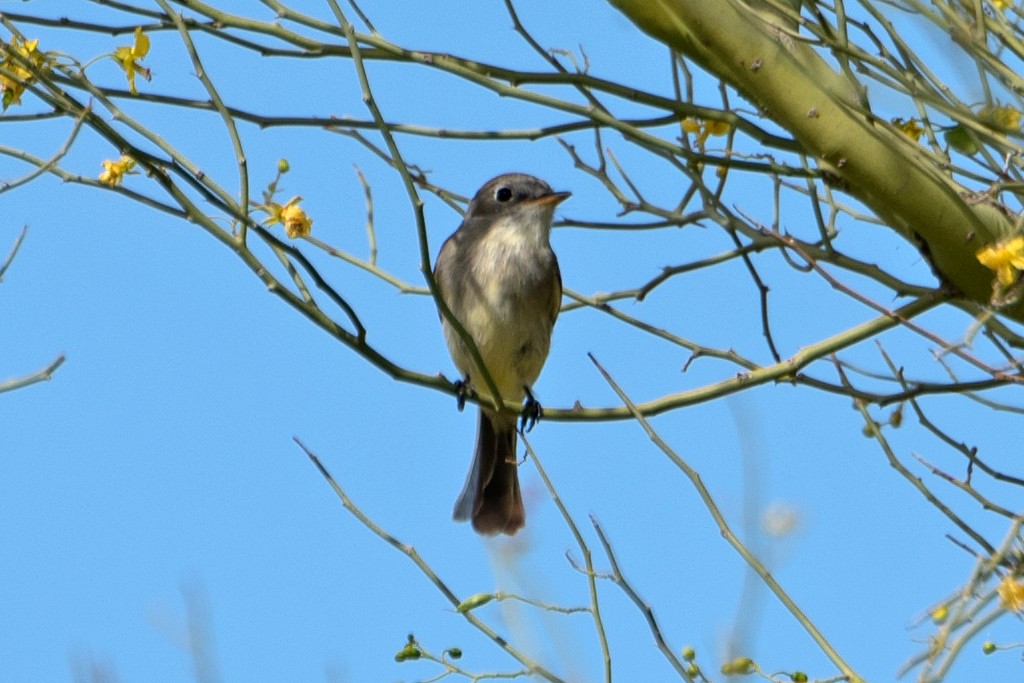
(503, 194)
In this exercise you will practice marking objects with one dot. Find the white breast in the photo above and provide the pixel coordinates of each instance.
(501, 314)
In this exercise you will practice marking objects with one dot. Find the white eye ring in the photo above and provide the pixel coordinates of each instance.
(503, 194)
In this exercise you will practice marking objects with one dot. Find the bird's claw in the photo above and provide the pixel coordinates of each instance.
(531, 414)
(462, 390)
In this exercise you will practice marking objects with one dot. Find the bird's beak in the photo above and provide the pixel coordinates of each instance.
(554, 199)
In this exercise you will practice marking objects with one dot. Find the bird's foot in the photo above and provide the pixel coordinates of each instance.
(532, 412)
(462, 389)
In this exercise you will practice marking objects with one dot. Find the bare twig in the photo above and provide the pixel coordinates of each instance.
(705, 495)
(424, 568)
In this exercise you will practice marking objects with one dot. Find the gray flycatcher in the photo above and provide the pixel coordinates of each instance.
(499, 277)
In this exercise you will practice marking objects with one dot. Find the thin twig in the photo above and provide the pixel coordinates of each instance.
(595, 605)
(13, 252)
(421, 564)
(41, 376)
(652, 622)
(755, 564)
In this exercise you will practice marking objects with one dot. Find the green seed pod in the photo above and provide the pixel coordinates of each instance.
(474, 601)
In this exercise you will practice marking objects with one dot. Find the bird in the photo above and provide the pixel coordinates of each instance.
(499, 278)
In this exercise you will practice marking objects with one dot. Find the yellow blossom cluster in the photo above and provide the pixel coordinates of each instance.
(115, 171)
(19, 56)
(704, 128)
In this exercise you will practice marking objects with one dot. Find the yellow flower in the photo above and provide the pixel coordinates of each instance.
(691, 125)
(128, 58)
(292, 216)
(705, 128)
(16, 77)
(1005, 258)
(716, 127)
(1001, 117)
(1011, 594)
(1002, 5)
(296, 222)
(911, 128)
(115, 171)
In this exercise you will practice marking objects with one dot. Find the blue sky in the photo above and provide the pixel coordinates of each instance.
(157, 469)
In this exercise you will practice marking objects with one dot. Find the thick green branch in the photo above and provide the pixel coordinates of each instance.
(822, 108)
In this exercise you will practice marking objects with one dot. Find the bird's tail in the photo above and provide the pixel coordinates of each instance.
(491, 497)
